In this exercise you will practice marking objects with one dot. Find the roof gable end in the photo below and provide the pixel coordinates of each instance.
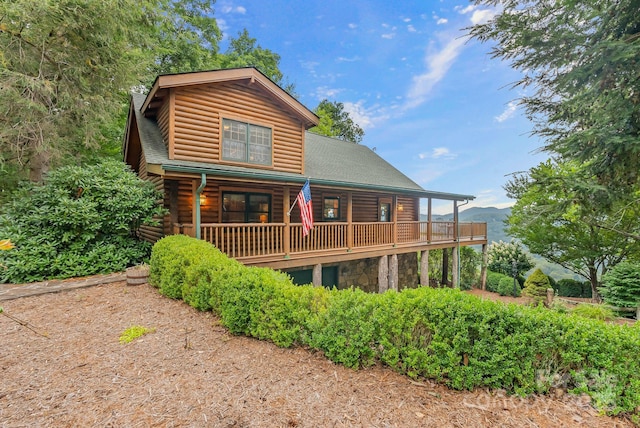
(250, 74)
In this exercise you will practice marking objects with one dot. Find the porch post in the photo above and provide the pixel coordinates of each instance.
(317, 275)
(383, 274)
(173, 205)
(424, 268)
(429, 225)
(394, 217)
(349, 221)
(483, 269)
(393, 272)
(196, 201)
(287, 220)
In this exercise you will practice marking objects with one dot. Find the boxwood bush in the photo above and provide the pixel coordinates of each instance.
(443, 334)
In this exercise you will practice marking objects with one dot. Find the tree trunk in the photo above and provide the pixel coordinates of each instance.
(593, 278)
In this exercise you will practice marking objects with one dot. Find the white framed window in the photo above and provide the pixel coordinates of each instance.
(244, 142)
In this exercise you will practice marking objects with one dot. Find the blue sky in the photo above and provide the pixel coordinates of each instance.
(432, 102)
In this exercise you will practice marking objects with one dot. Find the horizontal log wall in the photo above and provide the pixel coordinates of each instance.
(163, 122)
(199, 110)
(146, 232)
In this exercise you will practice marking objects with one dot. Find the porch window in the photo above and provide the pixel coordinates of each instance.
(384, 209)
(331, 208)
(244, 142)
(240, 207)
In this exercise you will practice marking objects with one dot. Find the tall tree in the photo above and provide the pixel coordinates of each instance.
(550, 221)
(336, 122)
(186, 37)
(63, 68)
(579, 62)
(244, 51)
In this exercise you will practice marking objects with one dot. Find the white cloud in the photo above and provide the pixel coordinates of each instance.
(438, 153)
(442, 21)
(227, 8)
(352, 26)
(482, 16)
(388, 36)
(508, 113)
(345, 59)
(242, 10)
(438, 64)
(465, 10)
(359, 114)
(411, 28)
(407, 19)
(324, 92)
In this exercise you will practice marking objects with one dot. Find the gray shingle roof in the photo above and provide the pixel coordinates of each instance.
(328, 161)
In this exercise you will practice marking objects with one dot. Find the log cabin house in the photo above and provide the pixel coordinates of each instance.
(230, 151)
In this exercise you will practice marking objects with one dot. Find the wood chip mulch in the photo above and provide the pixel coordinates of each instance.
(190, 372)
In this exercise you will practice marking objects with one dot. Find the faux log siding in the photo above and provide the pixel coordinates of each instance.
(197, 123)
(210, 211)
(153, 233)
(365, 207)
(163, 122)
(410, 209)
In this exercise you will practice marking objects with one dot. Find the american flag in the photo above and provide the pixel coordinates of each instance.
(306, 212)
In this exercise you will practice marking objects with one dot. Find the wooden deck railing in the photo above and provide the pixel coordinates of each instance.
(246, 240)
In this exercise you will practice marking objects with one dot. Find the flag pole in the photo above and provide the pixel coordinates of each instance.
(294, 202)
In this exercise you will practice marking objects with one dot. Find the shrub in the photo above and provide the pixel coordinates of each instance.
(621, 285)
(595, 312)
(442, 334)
(493, 280)
(505, 287)
(80, 221)
(568, 287)
(536, 286)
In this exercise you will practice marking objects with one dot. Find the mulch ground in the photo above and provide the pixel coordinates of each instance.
(190, 372)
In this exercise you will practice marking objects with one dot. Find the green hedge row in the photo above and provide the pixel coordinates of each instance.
(442, 334)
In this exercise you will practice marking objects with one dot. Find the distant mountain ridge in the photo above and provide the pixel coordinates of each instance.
(494, 217)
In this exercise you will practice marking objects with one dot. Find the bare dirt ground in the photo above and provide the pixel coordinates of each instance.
(189, 372)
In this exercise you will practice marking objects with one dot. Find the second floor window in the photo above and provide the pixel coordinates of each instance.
(244, 142)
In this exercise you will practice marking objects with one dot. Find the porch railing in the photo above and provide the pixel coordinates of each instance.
(246, 240)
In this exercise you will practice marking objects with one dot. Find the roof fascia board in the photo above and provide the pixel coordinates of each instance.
(227, 75)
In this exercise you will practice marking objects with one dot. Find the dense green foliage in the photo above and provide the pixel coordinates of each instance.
(509, 287)
(80, 221)
(567, 287)
(67, 66)
(505, 257)
(441, 334)
(493, 280)
(595, 312)
(550, 224)
(335, 122)
(621, 285)
(580, 63)
(470, 261)
(536, 286)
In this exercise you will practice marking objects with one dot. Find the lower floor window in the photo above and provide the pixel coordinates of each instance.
(241, 207)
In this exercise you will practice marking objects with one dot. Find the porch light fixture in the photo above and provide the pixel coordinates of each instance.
(400, 207)
(203, 199)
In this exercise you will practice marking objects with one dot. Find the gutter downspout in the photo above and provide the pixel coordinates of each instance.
(203, 183)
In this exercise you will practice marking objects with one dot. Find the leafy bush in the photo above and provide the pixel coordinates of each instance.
(493, 280)
(568, 287)
(621, 285)
(81, 221)
(595, 312)
(503, 256)
(536, 286)
(505, 287)
(442, 334)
